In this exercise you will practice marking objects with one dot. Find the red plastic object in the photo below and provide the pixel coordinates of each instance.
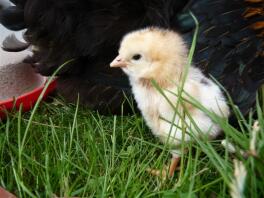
(6, 194)
(28, 100)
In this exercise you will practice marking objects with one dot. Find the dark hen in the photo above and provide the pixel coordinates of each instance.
(230, 42)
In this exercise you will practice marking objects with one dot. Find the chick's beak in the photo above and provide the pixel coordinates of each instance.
(118, 62)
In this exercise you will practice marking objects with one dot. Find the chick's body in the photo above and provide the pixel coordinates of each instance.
(159, 114)
(161, 55)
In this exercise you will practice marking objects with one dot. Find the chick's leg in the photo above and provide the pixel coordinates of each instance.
(167, 171)
(174, 165)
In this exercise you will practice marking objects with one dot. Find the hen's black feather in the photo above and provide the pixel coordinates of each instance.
(89, 31)
(228, 47)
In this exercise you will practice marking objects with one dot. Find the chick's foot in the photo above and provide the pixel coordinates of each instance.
(167, 171)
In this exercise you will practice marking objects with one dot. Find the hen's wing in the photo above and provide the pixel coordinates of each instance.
(230, 44)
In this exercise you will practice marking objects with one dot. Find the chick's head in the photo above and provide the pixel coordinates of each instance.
(152, 53)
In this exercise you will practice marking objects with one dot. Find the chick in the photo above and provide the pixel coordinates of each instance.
(161, 55)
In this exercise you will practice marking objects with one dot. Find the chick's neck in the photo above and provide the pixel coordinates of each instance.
(163, 79)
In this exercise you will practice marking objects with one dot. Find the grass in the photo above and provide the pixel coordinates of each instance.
(66, 150)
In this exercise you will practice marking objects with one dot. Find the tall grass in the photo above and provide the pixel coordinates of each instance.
(71, 151)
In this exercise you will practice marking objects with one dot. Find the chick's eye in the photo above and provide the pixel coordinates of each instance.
(136, 57)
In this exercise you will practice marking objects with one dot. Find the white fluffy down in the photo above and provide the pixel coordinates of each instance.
(210, 96)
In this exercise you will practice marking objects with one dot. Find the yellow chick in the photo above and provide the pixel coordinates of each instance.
(161, 55)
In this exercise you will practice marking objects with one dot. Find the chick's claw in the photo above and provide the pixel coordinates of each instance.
(166, 172)
(158, 173)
